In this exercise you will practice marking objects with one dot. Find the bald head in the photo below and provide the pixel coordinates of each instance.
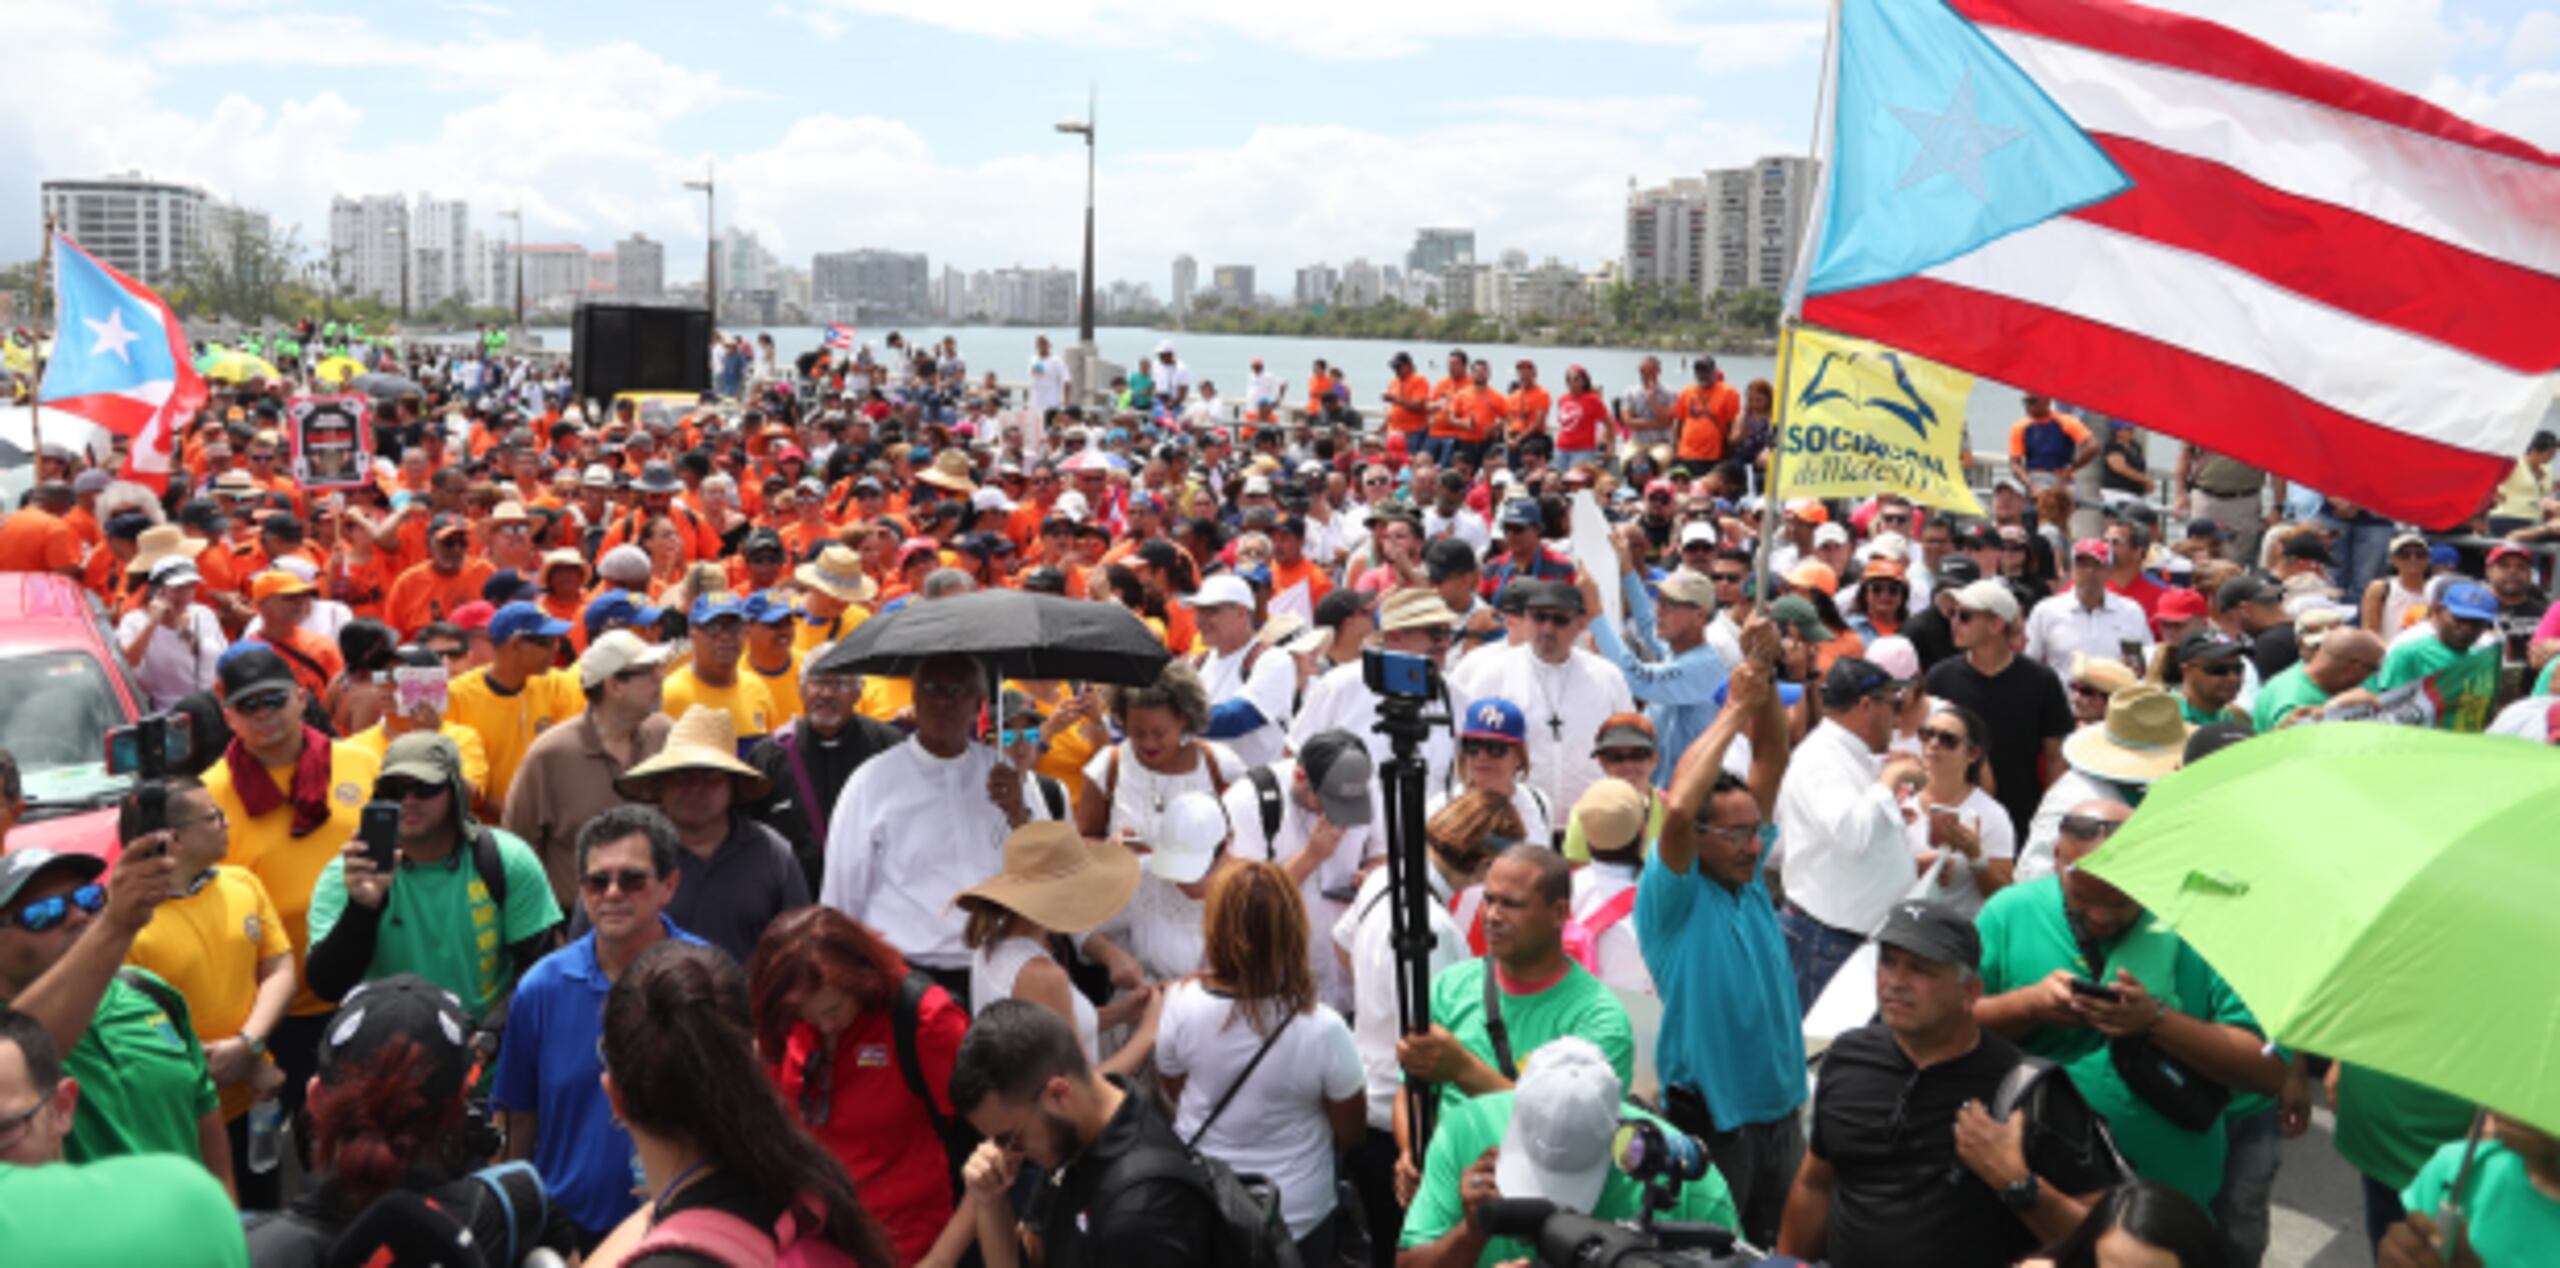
(2346, 656)
(2087, 826)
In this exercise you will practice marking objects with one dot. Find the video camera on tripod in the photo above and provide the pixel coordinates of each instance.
(1405, 685)
(1659, 1160)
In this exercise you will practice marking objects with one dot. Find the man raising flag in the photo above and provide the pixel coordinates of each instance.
(119, 360)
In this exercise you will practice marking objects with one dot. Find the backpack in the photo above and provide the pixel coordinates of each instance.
(1582, 933)
(724, 1239)
(2034, 1086)
(959, 1139)
(1250, 1233)
(1266, 790)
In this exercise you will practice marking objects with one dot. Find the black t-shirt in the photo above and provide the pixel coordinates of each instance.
(1902, 1197)
(2023, 706)
(2275, 650)
(1929, 636)
(1088, 1223)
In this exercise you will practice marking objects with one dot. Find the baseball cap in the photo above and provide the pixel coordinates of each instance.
(1852, 679)
(21, 866)
(1988, 595)
(506, 586)
(714, 607)
(275, 583)
(2243, 589)
(2208, 644)
(249, 668)
(446, 523)
(1697, 532)
(1549, 594)
(763, 541)
(521, 619)
(2470, 601)
(1831, 535)
(474, 615)
(2181, 605)
(1934, 932)
(2212, 738)
(1494, 718)
(1563, 1117)
(615, 651)
(598, 476)
(1520, 512)
(1686, 585)
(1613, 814)
(2092, 548)
(405, 1006)
(1898, 656)
(1337, 765)
(1624, 730)
(2505, 550)
(2205, 528)
(176, 570)
(1796, 613)
(618, 607)
(1187, 838)
(429, 757)
(1222, 590)
(1958, 571)
(768, 607)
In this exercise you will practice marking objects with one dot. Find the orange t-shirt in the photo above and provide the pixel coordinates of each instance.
(364, 584)
(91, 533)
(1412, 410)
(422, 595)
(1284, 576)
(104, 576)
(1444, 400)
(1476, 414)
(1703, 415)
(1529, 408)
(34, 540)
(314, 660)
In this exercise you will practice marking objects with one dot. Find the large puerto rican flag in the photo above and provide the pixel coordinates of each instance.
(2160, 220)
(119, 360)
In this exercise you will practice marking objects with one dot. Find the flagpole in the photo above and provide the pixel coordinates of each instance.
(1791, 316)
(35, 351)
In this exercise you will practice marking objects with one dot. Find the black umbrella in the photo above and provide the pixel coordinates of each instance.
(385, 387)
(1016, 634)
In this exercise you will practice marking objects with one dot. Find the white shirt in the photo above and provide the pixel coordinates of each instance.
(1329, 539)
(1048, 383)
(2059, 626)
(1272, 687)
(1339, 871)
(1275, 1125)
(1340, 700)
(1266, 389)
(2526, 719)
(910, 831)
(1564, 705)
(1999, 841)
(1847, 858)
(1366, 933)
(1620, 960)
(2035, 859)
(1465, 525)
(175, 663)
(1140, 795)
(1170, 378)
(1203, 413)
(994, 971)
(1162, 927)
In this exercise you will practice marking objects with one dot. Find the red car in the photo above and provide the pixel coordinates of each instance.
(63, 686)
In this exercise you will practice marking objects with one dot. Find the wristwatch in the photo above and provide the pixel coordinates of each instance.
(257, 1044)
(2020, 1196)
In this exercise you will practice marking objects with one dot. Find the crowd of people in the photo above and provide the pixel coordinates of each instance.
(533, 842)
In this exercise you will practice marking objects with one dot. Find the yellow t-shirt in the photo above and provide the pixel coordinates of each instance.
(883, 699)
(475, 755)
(207, 945)
(813, 635)
(784, 687)
(749, 705)
(508, 723)
(289, 865)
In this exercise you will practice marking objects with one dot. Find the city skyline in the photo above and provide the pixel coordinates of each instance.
(1515, 120)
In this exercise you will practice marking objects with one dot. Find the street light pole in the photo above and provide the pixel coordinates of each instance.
(517, 214)
(711, 242)
(1087, 356)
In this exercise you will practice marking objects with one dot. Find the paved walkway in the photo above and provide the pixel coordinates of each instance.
(2318, 1220)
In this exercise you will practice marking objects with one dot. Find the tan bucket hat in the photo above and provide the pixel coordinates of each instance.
(950, 470)
(2142, 739)
(162, 541)
(837, 572)
(1414, 607)
(703, 739)
(1058, 880)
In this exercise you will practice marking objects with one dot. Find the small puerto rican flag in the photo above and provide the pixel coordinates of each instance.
(840, 337)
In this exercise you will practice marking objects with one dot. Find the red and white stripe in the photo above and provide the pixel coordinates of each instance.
(2312, 273)
(149, 414)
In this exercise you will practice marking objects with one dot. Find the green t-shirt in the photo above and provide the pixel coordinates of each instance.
(2026, 936)
(2389, 1126)
(2197, 717)
(1578, 1004)
(143, 1083)
(441, 924)
(2466, 683)
(2510, 1221)
(1577, 847)
(2285, 693)
(1463, 1135)
(119, 1211)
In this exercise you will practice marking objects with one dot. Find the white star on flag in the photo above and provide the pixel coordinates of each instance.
(1953, 141)
(112, 335)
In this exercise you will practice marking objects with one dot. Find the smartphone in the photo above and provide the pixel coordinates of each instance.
(172, 734)
(2083, 986)
(380, 832)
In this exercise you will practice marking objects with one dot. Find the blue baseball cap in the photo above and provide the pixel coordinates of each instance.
(506, 585)
(524, 620)
(1521, 511)
(1494, 718)
(768, 607)
(712, 607)
(618, 607)
(2471, 601)
(2442, 556)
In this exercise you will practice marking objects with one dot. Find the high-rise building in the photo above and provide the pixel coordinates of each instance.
(439, 252)
(1361, 285)
(1781, 194)
(366, 239)
(1034, 297)
(1233, 284)
(148, 229)
(1733, 229)
(873, 285)
(235, 235)
(951, 295)
(1317, 284)
(1469, 287)
(1437, 249)
(1186, 279)
(1551, 291)
(556, 274)
(639, 268)
(489, 267)
(745, 266)
(1667, 235)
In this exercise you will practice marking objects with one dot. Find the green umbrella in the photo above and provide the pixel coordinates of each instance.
(2381, 894)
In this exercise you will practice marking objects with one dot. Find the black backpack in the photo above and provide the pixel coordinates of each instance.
(1250, 1234)
(959, 1139)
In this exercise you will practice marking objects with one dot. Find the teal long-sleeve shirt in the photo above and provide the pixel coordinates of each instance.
(1678, 691)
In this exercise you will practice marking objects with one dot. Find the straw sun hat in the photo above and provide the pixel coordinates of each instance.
(703, 739)
(1058, 880)
(2142, 739)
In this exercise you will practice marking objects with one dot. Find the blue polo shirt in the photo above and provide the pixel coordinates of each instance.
(1731, 1028)
(548, 1067)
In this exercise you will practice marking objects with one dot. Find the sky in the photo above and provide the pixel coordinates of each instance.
(1238, 131)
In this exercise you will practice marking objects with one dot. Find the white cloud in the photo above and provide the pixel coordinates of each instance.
(2535, 45)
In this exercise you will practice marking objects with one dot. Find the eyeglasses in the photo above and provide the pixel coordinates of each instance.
(1738, 834)
(45, 913)
(1964, 615)
(1702, 548)
(260, 703)
(2223, 670)
(1486, 748)
(405, 789)
(630, 880)
(1549, 616)
(947, 690)
(1935, 737)
(646, 671)
(451, 653)
(1725, 578)
(2079, 688)
(2089, 827)
(13, 1127)
(218, 819)
(1894, 588)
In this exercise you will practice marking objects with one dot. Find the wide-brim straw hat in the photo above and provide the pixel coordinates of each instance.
(837, 572)
(2142, 739)
(703, 739)
(1057, 880)
(950, 470)
(1414, 607)
(162, 541)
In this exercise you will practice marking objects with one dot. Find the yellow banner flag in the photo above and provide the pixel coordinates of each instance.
(1862, 418)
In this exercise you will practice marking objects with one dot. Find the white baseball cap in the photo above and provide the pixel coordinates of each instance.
(597, 476)
(1224, 588)
(1830, 534)
(1697, 531)
(990, 498)
(616, 650)
(1562, 1120)
(1989, 595)
(1188, 837)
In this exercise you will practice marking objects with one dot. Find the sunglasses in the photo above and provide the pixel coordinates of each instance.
(1486, 748)
(258, 704)
(948, 690)
(2089, 827)
(1613, 756)
(1725, 578)
(45, 913)
(630, 880)
(1007, 737)
(2225, 669)
(451, 653)
(1549, 616)
(405, 789)
(2084, 689)
(1936, 737)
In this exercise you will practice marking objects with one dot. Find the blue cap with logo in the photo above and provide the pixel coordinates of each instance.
(524, 620)
(713, 607)
(618, 607)
(1494, 718)
(2471, 601)
(768, 607)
